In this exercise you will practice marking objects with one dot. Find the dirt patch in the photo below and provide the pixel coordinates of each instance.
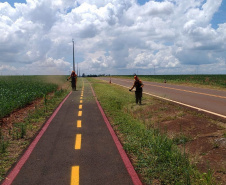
(18, 115)
(205, 144)
(201, 137)
(9, 132)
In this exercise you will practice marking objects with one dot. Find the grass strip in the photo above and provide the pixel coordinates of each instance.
(156, 158)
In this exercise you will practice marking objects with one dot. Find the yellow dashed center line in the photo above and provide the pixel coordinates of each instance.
(79, 123)
(79, 113)
(188, 91)
(75, 175)
(197, 108)
(194, 92)
(78, 140)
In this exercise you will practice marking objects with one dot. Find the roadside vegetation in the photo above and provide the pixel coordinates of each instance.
(18, 91)
(37, 96)
(158, 156)
(212, 81)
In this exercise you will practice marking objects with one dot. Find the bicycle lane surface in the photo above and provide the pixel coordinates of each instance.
(76, 148)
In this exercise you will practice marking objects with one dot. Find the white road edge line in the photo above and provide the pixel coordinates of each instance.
(199, 109)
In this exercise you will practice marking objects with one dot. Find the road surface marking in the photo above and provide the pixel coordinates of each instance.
(79, 123)
(206, 94)
(81, 98)
(79, 113)
(197, 108)
(78, 141)
(80, 106)
(75, 175)
(188, 91)
(81, 101)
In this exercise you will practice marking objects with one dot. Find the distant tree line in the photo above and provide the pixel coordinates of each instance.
(94, 75)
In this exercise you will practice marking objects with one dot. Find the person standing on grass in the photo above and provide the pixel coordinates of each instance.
(73, 80)
(139, 88)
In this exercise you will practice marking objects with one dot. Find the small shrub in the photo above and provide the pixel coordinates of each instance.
(3, 145)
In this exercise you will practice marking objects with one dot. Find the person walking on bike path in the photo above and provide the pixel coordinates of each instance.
(73, 80)
(139, 88)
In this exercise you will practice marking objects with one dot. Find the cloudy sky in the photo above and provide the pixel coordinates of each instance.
(113, 36)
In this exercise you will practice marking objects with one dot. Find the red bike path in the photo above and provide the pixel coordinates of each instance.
(76, 145)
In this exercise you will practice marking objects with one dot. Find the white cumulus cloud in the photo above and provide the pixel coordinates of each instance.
(117, 37)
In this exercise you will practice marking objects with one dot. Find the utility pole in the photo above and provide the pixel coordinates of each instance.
(73, 56)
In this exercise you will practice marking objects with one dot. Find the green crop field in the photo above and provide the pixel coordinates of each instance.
(17, 91)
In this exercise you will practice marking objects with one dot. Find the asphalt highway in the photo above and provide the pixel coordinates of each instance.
(202, 99)
(76, 148)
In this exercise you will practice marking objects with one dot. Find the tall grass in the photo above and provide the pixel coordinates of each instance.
(155, 157)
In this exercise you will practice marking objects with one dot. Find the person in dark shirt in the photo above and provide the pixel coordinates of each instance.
(73, 78)
(139, 88)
